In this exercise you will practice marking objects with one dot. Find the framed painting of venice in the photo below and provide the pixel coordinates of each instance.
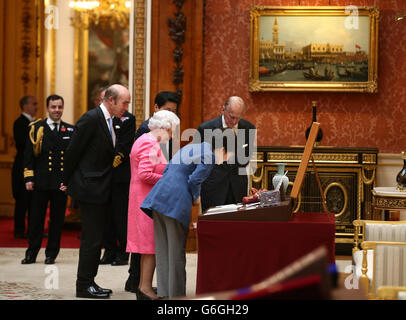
(314, 49)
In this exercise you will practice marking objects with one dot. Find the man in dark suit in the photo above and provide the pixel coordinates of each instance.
(22, 196)
(164, 100)
(43, 172)
(115, 238)
(88, 180)
(228, 182)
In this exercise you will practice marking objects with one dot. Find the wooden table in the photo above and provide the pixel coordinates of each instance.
(237, 254)
(387, 198)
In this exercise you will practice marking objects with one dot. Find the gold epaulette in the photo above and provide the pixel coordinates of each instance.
(36, 143)
(34, 122)
(28, 173)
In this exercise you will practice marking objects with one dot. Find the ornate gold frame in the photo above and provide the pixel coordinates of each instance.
(255, 85)
(81, 69)
(344, 190)
(138, 65)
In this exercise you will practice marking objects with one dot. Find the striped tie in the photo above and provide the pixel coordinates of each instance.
(110, 127)
(113, 138)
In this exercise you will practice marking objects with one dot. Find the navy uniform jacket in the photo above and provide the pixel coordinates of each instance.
(44, 157)
(226, 176)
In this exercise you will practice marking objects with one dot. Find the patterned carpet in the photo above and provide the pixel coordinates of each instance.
(23, 291)
(39, 281)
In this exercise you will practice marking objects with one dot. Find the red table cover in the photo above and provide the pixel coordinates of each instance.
(236, 254)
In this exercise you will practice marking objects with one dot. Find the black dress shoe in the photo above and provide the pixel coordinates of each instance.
(131, 285)
(49, 260)
(142, 296)
(103, 290)
(119, 262)
(106, 260)
(28, 260)
(91, 292)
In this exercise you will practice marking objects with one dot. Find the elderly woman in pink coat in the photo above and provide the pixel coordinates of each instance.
(147, 165)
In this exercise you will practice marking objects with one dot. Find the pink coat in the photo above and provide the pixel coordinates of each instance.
(147, 166)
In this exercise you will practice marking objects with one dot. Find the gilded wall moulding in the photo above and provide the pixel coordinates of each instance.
(318, 157)
(177, 31)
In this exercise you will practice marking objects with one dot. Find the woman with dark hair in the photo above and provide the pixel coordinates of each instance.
(170, 203)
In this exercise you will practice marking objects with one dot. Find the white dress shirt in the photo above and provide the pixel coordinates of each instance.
(107, 116)
(28, 116)
(225, 125)
(51, 124)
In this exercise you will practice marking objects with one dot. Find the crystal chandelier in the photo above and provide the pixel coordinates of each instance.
(105, 13)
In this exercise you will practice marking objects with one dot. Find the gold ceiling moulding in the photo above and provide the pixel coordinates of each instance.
(114, 14)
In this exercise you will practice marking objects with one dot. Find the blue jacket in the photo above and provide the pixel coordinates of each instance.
(181, 182)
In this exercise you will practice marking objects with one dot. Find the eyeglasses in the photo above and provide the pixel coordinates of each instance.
(232, 117)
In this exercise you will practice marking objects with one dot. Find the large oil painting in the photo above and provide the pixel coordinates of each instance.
(101, 59)
(108, 62)
(314, 49)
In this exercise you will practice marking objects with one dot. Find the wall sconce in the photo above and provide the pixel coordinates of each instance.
(400, 16)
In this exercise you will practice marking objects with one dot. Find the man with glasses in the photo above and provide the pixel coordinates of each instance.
(228, 182)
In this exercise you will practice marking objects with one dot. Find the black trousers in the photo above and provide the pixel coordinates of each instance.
(115, 235)
(22, 208)
(135, 268)
(94, 218)
(230, 199)
(57, 205)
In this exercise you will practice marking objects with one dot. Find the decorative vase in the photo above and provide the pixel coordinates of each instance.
(320, 133)
(280, 175)
(401, 177)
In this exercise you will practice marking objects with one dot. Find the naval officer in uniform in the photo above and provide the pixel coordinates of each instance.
(43, 173)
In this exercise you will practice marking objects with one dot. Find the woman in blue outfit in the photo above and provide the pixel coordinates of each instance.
(170, 203)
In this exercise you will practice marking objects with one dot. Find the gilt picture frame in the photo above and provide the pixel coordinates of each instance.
(314, 49)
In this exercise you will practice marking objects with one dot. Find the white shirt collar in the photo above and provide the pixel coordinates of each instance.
(106, 113)
(107, 116)
(50, 121)
(225, 125)
(28, 116)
